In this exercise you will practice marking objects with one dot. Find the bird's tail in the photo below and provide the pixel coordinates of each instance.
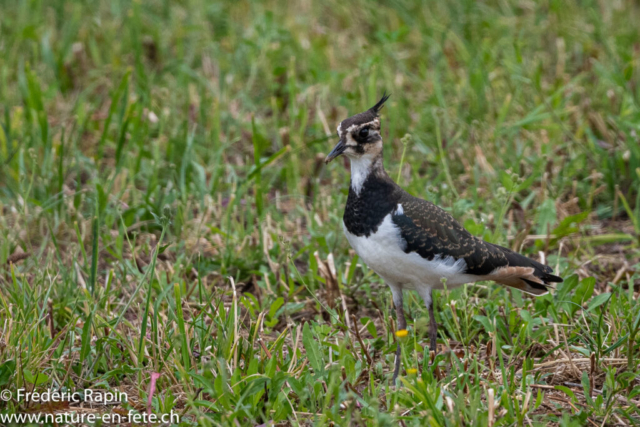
(524, 274)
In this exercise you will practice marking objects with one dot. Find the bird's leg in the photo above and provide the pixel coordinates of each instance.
(402, 324)
(426, 295)
(433, 326)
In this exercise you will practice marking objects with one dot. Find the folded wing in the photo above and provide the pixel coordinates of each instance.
(430, 231)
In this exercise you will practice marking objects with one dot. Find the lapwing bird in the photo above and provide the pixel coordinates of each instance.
(411, 243)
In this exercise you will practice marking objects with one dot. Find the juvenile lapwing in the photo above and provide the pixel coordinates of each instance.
(411, 243)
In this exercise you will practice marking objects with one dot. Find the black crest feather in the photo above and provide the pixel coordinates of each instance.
(376, 108)
(366, 116)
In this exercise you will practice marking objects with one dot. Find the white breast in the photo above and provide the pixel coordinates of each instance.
(384, 253)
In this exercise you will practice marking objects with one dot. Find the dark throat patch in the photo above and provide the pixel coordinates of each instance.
(365, 211)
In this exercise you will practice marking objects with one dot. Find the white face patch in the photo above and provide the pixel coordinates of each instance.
(350, 142)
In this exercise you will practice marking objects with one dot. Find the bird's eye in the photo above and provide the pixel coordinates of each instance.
(364, 132)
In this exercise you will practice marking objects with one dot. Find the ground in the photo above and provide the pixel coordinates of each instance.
(169, 229)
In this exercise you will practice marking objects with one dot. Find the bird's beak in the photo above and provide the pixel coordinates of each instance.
(337, 150)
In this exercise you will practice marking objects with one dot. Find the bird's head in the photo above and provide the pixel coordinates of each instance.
(360, 134)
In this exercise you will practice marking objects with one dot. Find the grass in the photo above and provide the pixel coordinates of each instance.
(169, 230)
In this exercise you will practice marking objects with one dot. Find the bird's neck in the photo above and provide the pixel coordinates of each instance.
(372, 196)
(363, 168)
